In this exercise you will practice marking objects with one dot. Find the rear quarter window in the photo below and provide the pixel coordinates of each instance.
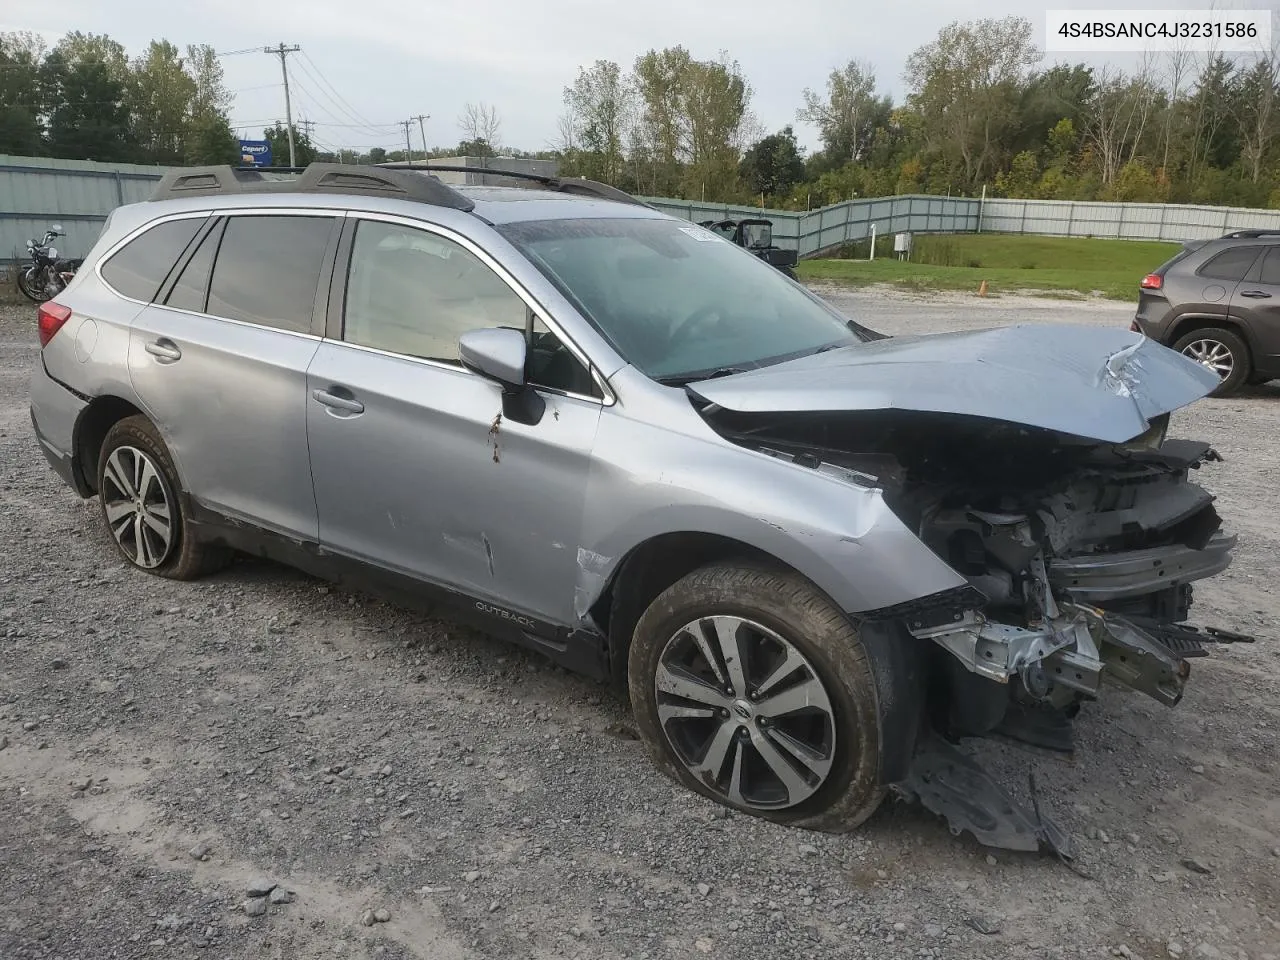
(1231, 264)
(138, 268)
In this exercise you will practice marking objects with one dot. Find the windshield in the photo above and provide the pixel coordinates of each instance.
(677, 301)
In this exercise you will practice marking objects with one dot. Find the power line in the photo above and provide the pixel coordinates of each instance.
(344, 113)
(341, 100)
(236, 53)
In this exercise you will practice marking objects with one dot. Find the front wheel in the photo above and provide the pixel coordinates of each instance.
(1220, 351)
(31, 286)
(750, 687)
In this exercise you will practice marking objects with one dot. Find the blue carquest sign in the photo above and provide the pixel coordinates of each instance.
(255, 153)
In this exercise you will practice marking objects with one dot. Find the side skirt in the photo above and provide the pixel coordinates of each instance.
(577, 650)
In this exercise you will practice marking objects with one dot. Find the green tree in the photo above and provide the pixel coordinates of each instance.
(773, 165)
(160, 99)
(1021, 178)
(20, 127)
(849, 114)
(85, 83)
(209, 137)
(965, 86)
(600, 110)
(278, 136)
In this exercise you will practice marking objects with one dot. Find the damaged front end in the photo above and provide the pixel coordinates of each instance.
(1079, 547)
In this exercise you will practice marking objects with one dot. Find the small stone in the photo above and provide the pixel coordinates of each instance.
(30, 725)
(367, 918)
(382, 915)
(704, 889)
(1173, 948)
(1103, 836)
(80, 786)
(991, 861)
(471, 876)
(1198, 768)
(58, 664)
(734, 925)
(1195, 866)
(987, 926)
(899, 928)
(260, 887)
(1206, 952)
(280, 895)
(254, 907)
(1133, 838)
(807, 850)
(1275, 851)
(1166, 877)
(4, 743)
(200, 851)
(962, 885)
(1122, 951)
(494, 906)
(386, 771)
(703, 944)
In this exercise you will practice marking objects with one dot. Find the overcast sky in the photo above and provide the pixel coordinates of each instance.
(380, 61)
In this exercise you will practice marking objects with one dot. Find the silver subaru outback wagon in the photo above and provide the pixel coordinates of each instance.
(815, 556)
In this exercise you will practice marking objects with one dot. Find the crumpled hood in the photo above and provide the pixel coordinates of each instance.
(1105, 384)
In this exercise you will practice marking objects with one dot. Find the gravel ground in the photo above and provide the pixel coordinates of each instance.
(414, 789)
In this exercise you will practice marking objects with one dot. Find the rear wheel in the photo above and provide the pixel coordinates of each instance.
(31, 285)
(1220, 351)
(750, 687)
(138, 491)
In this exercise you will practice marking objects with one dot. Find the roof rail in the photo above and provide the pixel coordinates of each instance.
(316, 178)
(574, 185)
(1250, 234)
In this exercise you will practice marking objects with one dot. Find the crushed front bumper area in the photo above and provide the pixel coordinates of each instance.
(1102, 577)
(1069, 655)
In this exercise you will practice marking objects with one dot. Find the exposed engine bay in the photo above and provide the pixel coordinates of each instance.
(1079, 556)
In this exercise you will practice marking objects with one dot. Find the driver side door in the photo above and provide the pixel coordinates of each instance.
(415, 469)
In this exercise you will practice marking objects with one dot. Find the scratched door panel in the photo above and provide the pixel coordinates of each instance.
(427, 480)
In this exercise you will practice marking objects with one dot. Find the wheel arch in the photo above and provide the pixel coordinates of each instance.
(1189, 324)
(90, 431)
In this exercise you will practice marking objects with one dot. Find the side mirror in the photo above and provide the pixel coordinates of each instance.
(499, 354)
(57, 228)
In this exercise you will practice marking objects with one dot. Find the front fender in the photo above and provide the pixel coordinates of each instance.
(839, 534)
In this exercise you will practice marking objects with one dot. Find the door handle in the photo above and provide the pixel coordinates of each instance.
(166, 351)
(335, 402)
(1255, 294)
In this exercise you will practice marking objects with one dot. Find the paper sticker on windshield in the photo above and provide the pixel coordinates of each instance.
(699, 234)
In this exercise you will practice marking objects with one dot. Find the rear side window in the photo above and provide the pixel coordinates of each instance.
(268, 268)
(139, 267)
(193, 284)
(1271, 267)
(1231, 264)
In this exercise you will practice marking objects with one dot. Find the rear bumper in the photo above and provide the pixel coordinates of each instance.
(1097, 578)
(55, 411)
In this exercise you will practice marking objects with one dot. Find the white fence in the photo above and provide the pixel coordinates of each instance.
(1126, 221)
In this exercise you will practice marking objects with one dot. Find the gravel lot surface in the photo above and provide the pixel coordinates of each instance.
(408, 788)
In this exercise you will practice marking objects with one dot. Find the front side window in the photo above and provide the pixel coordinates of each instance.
(677, 301)
(1271, 267)
(268, 269)
(139, 267)
(415, 293)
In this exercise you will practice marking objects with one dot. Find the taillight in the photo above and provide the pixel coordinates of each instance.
(51, 318)
(1152, 281)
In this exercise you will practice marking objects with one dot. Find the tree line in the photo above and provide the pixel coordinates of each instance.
(982, 111)
(86, 99)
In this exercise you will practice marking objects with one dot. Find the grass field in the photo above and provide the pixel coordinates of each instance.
(1069, 267)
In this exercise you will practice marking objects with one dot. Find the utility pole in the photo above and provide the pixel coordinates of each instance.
(307, 126)
(408, 149)
(423, 130)
(282, 51)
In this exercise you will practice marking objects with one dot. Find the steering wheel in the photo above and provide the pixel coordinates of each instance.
(691, 324)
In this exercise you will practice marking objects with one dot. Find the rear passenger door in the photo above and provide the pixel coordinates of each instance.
(415, 468)
(219, 361)
(1256, 302)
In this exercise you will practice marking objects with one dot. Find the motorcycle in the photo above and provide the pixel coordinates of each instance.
(47, 275)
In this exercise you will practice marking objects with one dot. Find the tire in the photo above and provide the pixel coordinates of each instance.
(27, 283)
(791, 609)
(129, 447)
(1215, 343)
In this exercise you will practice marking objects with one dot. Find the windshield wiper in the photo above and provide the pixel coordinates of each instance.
(686, 378)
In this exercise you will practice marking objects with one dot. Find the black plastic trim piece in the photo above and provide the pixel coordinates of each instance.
(574, 185)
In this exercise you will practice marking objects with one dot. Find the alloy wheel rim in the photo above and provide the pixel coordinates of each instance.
(745, 712)
(137, 506)
(1212, 355)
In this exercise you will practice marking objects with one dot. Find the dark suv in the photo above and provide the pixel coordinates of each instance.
(1218, 302)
